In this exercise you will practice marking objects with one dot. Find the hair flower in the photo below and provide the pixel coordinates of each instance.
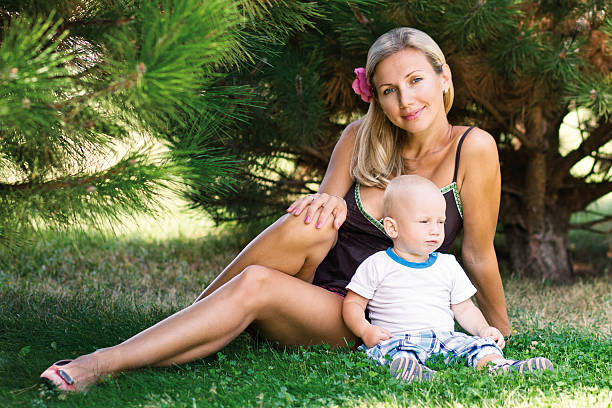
(361, 85)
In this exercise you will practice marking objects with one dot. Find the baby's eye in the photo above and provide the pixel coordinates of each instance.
(388, 91)
(442, 222)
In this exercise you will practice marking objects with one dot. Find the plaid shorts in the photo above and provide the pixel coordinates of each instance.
(423, 344)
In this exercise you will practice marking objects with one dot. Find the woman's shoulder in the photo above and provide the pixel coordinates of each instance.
(349, 134)
(352, 128)
(477, 143)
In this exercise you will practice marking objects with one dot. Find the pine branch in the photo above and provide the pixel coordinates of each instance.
(363, 20)
(580, 193)
(593, 92)
(87, 181)
(488, 106)
(484, 21)
(121, 85)
(601, 136)
(590, 224)
(310, 151)
(510, 190)
(97, 22)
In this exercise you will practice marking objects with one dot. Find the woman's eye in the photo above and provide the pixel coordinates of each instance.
(417, 79)
(388, 91)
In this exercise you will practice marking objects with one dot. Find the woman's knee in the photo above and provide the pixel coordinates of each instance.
(293, 228)
(254, 285)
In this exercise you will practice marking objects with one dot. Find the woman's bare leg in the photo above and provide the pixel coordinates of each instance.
(290, 312)
(285, 308)
(205, 327)
(288, 245)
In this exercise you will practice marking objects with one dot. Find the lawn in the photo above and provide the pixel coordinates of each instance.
(72, 294)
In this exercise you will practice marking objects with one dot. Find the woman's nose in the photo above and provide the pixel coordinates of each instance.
(405, 97)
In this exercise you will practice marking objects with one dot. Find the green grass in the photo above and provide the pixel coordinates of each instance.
(72, 294)
(38, 328)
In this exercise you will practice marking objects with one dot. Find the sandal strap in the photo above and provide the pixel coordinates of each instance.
(65, 376)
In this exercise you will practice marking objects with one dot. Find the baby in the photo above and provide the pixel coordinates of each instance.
(413, 293)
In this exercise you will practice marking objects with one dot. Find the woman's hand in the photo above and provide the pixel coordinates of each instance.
(319, 207)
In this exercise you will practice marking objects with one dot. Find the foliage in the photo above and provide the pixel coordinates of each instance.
(104, 104)
(521, 70)
(70, 296)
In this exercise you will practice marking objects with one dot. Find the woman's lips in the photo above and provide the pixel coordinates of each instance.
(413, 115)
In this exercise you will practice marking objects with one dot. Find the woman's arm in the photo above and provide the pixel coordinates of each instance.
(329, 200)
(480, 188)
(337, 179)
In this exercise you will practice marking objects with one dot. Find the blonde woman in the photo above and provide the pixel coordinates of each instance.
(288, 283)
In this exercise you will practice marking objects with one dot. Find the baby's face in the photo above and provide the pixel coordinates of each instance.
(420, 224)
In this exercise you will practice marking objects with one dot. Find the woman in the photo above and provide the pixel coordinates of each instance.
(268, 285)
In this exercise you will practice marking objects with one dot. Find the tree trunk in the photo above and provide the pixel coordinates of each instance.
(541, 252)
(536, 223)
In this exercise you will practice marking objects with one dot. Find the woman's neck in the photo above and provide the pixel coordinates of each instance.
(430, 141)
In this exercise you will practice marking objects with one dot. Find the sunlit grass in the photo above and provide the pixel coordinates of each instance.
(586, 304)
(73, 293)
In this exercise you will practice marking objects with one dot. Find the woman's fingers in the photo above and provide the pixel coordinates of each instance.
(300, 204)
(294, 206)
(312, 204)
(318, 208)
(340, 217)
(334, 207)
(326, 210)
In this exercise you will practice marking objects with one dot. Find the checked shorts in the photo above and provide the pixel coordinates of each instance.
(424, 344)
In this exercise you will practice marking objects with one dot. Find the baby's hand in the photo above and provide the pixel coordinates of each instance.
(493, 334)
(374, 335)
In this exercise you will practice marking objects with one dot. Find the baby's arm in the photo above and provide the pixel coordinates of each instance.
(353, 312)
(472, 320)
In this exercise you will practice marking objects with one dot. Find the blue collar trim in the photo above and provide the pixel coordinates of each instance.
(418, 265)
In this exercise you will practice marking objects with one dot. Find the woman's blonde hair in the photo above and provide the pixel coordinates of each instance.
(377, 155)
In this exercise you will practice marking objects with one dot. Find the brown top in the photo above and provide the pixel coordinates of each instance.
(361, 235)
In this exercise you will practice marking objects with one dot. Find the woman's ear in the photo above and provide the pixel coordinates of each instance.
(447, 77)
(390, 227)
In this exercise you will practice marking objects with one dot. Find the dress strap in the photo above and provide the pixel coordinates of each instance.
(458, 154)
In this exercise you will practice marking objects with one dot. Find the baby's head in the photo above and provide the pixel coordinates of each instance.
(414, 212)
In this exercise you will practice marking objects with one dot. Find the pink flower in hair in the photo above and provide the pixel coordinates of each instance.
(361, 85)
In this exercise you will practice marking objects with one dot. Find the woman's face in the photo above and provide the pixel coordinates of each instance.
(409, 91)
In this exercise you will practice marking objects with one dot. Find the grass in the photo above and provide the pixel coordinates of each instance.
(73, 294)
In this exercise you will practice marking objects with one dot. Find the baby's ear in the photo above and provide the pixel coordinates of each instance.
(390, 227)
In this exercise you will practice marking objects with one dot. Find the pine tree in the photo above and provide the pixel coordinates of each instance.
(304, 100)
(519, 69)
(106, 104)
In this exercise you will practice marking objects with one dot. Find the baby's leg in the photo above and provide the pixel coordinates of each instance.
(407, 357)
(521, 366)
(406, 367)
(477, 351)
(490, 358)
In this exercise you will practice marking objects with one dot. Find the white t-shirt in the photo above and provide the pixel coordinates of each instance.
(408, 296)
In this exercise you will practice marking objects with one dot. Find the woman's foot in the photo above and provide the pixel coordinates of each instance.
(409, 369)
(73, 375)
(57, 377)
(521, 366)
